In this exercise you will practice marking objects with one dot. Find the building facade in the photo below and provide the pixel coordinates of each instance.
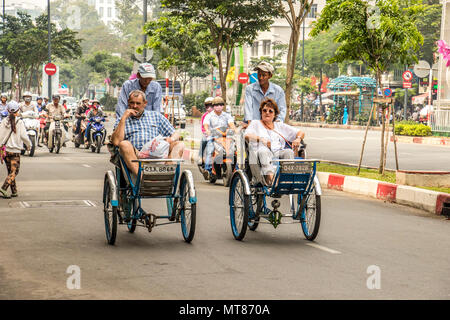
(106, 10)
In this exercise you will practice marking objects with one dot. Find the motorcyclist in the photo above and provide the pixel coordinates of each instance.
(27, 104)
(45, 103)
(208, 108)
(54, 109)
(3, 104)
(214, 120)
(80, 113)
(39, 104)
(94, 111)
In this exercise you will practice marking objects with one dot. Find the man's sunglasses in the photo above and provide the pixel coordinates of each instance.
(268, 110)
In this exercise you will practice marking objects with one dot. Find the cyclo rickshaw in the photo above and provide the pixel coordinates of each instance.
(248, 197)
(156, 178)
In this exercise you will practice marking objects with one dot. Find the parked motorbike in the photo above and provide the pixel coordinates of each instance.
(30, 119)
(96, 134)
(224, 157)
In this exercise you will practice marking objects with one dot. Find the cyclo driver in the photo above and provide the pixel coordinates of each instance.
(80, 113)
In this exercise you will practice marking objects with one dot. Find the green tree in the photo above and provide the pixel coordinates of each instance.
(230, 23)
(181, 44)
(379, 36)
(429, 25)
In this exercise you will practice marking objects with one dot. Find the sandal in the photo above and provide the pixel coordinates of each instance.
(4, 194)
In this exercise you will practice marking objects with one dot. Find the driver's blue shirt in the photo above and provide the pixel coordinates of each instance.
(141, 130)
(153, 95)
(254, 96)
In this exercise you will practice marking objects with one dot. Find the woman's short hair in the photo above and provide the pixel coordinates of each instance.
(271, 104)
(137, 93)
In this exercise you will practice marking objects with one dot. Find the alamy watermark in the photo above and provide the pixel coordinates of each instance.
(374, 280)
(74, 280)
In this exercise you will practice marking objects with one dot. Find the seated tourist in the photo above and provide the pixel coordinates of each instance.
(138, 126)
(271, 139)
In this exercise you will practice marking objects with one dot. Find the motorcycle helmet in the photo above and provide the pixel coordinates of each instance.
(12, 106)
(26, 94)
(4, 95)
(209, 100)
(218, 100)
(56, 96)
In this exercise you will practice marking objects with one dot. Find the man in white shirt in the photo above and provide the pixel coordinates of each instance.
(212, 123)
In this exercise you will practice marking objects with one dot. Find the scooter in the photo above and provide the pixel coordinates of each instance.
(30, 119)
(224, 157)
(96, 134)
(78, 139)
(58, 137)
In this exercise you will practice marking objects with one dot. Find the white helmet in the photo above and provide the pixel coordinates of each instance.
(26, 94)
(4, 95)
(209, 100)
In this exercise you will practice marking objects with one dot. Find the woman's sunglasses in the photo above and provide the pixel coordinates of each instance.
(208, 105)
(268, 110)
(219, 104)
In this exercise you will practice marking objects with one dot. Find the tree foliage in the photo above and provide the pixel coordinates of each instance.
(24, 47)
(230, 23)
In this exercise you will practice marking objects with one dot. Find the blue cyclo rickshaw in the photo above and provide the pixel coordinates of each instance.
(249, 195)
(156, 178)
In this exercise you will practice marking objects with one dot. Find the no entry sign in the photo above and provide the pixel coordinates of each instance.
(243, 78)
(50, 69)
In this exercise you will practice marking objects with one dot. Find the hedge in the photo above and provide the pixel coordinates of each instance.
(418, 130)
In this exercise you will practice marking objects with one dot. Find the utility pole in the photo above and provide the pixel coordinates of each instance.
(3, 57)
(49, 51)
(144, 10)
(303, 66)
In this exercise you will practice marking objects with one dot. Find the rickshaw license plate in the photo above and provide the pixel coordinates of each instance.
(158, 169)
(302, 167)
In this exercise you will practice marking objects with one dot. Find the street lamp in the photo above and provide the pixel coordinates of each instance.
(49, 50)
(3, 57)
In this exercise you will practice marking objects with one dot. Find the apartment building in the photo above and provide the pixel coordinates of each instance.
(106, 10)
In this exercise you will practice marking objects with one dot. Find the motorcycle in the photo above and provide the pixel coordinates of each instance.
(78, 139)
(224, 157)
(96, 134)
(3, 115)
(30, 119)
(58, 137)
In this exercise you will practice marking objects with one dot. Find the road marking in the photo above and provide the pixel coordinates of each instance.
(87, 166)
(315, 245)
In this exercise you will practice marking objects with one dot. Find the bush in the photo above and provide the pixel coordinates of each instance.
(195, 99)
(362, 119)
(108, 102)
(416, 130)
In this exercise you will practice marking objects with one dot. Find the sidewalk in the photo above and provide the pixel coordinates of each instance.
(437, 141)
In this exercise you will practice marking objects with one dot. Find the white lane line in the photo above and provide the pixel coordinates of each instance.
(87, 166)
(315, 245)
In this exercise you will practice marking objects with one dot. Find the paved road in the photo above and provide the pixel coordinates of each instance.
(345, 146)
(39, 244)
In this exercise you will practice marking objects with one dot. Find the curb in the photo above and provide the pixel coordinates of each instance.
(430, 201)
(443, 142)
(332, 126)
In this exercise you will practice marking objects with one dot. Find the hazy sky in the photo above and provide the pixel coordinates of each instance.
(41, 3)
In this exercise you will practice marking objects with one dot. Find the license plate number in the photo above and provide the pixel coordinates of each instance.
(155, 169)
(296, 167)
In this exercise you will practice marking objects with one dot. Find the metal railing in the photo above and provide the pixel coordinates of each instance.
(440, 120)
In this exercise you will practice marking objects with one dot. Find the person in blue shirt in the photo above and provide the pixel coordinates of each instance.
(260, 90)
(144, 82)
(137, 126)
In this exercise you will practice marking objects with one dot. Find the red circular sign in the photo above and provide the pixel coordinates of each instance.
(243, 78)
(407, 75)
(50, 69)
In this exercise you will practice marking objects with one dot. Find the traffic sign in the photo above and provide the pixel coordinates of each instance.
(50, 69)
(243, 78)
(422, 69)
(387, 92)
(407, 75)
(407, 84)
(254, 77)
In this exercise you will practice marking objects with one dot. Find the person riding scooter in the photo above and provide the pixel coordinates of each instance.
(212, 122)
(54, 109)
(94, 111)
(80, 113)
(27, 104)
(3, 104)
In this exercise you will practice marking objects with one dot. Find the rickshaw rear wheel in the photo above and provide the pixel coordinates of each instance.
(310, 215)
(187, 211)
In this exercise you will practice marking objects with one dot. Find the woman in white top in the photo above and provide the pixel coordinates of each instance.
(12, 135)
(269, 138)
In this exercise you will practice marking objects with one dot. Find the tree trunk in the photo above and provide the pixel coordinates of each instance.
(222, 76)
(320, 92)
(290, 67)
(383, 128)
(364, 141)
